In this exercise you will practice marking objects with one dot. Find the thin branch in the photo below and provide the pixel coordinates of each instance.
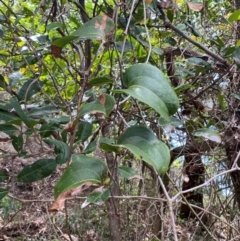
(168, 24)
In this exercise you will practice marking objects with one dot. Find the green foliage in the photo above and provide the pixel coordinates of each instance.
(37, 171)
(82, 169)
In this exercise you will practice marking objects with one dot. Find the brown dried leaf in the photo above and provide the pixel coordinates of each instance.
(69, 127)
(103, 23)
(102, 99)
(56, 51)
(59, 202)
(136, 177)
(195, 6)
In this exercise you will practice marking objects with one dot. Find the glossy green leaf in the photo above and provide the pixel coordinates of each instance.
(29, 88)
(100, 81)
(208, 134)
(84, 131)
(3, 175)
(82, 169)
(143, 143)
(53, 25)
(104, 104)
(148, 84)
(37, 171)
(147, 96)
(62, 150)
(126, 172)
(235, 16)
(3, 193)
(96, 28)
(17, 142)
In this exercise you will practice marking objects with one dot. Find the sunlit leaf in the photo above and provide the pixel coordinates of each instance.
(235, 16)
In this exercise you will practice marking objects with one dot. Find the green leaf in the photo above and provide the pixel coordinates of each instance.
(61, 42)
(96, 28)
(91, 147)
(100, 81)
(83, 132)
(60, 120)
(236, 56)
(234, 95)
(22, 115)
(98, 197)
(148, 84)
(37, 171)
(197, 61)
(8, 129)
(43, 111)
(47, 129)
(3, 175)
(169, 125)
(127, 172)
(30, 60)
(235, 16)
(3, 193)
(143, 143)
(29, 88)
(149, 97)
(82, 169)
(6, 116)
(104, 104)
(61, 149)
(17, 142)
(106, 144)
(54, 25)
(208, 134)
